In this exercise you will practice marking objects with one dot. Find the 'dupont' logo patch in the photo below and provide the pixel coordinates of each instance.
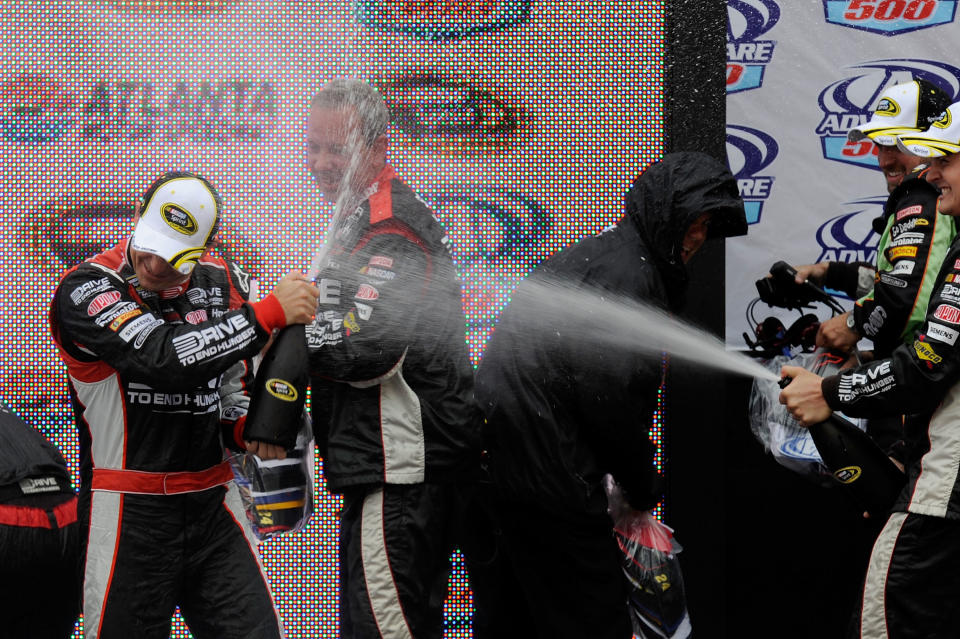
(747, 54)
(179, 220)
(850, 102)
(750, 151)
(889, 17)
(35, 109)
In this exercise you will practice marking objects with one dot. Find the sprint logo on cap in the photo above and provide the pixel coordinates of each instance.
(942, 138)
(178, 219)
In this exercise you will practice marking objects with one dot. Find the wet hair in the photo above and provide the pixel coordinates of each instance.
(364, 99)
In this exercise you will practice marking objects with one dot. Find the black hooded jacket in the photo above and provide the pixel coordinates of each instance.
(565, 399)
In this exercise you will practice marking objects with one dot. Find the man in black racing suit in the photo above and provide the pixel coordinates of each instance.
(913, 579)
(392, 386)
(39, 535)
(891, 299)
(158, 335)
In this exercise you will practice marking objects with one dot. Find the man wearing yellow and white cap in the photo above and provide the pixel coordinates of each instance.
(890, 303)
(158, 335)
(913, 580)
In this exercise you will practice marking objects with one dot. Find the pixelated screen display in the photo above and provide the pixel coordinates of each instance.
(521, 123)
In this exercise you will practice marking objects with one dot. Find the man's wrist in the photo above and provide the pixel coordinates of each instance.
(852, 324)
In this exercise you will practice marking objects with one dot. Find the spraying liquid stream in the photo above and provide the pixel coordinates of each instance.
(623, 324)
(617, 322)
(346, 199)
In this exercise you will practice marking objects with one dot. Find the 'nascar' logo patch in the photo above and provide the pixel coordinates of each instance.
(848, 474)
(178, 219)
(281, 389)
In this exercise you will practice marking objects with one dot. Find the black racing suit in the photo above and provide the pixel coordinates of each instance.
(154, 378)
(911, 249)
(567, 400)
(912, 581)
(393, 407)
(39, 535)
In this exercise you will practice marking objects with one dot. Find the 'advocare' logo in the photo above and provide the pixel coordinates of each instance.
(889, 17)
(850, 237)
(747, 54)
(35, 108)
(749, 152)
(849, 103)
(442, 19)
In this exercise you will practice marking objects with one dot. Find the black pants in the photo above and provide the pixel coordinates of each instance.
(40, 583)
(556, 577)
(913, 581)
(395, 548)
(147, 554)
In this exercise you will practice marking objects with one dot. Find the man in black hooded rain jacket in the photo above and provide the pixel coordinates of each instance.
(566, 401)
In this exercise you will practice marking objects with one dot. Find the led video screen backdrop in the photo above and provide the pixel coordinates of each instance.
(521, 122)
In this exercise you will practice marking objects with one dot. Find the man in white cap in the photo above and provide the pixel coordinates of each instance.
(891, 298)
(913, 580)
(158, 335)
(914, 238)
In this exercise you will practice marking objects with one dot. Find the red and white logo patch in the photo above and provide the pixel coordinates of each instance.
(381, 260)
(910, 210)
(956, 265)
(948, 314)
(195, 317)
(102, 301)
(367, 292)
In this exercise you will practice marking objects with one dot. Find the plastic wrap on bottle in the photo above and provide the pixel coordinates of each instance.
(657, 603)
(277, 494)
(790, 443)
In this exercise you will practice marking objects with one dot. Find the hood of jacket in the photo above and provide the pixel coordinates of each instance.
(670, 195)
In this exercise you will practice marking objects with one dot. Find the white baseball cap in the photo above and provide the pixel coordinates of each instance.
(903, 108)
(178, 218)
(942, 138)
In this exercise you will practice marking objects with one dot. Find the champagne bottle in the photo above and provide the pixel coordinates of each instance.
(279, 390)
(858, 464)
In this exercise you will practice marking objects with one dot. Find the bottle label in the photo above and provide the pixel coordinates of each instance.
(281, 389)
(848, 474)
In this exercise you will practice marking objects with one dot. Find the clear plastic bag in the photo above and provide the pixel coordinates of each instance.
(657, 603)
(277, 494)
(779, 433)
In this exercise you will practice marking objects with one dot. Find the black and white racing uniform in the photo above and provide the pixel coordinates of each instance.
(394, 413)
(920, 544)
(154, 379)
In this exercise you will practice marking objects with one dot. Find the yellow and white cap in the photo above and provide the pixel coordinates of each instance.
(178, 219)
(902, 109)
(942, 138)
